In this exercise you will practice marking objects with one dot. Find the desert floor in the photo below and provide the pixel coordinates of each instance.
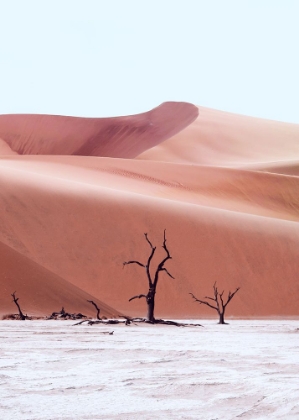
(54, 370)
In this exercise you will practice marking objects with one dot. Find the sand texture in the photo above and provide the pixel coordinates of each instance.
(77, 196)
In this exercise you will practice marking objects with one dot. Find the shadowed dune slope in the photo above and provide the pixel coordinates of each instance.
(124, 137)
(81, 218)
(40, 291)
(225, 139)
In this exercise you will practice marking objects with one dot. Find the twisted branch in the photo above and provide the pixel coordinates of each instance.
(97, 308)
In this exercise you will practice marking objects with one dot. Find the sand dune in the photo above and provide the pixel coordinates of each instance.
(124, 137)
(40, 291)
(231, 215)
(225, 139)
(238, 190)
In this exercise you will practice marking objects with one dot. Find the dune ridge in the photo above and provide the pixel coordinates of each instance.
(124, 137)
(225, 139)
(220, 187)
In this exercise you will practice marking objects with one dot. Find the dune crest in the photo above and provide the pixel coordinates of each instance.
(225, 139)
(123, 137)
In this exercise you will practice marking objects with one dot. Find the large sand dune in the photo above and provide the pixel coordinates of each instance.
(225, 139)
(224, 188)
(124, 137)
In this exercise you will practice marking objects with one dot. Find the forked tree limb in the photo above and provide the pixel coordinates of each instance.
(221, 299)
(231, 295)
(97, 308)
(150, 282)
(147, 266)
(203, 302)
(210, 298)
(161, 264)
(218, 297)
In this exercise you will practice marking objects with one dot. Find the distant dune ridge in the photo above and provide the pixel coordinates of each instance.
(123, 137)
(220, 138)
(77, 195)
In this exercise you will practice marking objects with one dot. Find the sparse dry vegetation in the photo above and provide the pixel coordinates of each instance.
(219, 305)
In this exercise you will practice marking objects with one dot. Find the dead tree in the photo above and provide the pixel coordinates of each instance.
(15, 299)
(97, 308)
(152, 280)
(220, 305)
(65, 315)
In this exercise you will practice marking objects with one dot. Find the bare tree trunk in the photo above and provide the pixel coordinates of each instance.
(150, 310)
(221, 318)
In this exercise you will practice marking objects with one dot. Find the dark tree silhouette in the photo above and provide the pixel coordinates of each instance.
(15, 299)
(65, 315)
(97, 308)
(220, 305)
(152, 280)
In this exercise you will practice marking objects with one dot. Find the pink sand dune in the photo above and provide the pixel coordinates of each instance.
(124, 137)
(83, 231)
(225, 188)
(225, 139)
(39, 290)
(238, 190)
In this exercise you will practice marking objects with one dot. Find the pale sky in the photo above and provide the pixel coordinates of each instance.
(117, 57)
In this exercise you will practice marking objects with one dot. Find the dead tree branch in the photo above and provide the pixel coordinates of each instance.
(136, 321)
(15, 300)
(133, 262)
(203, 302)
(97, 308)
(137, 297)
(161, 265)
(63, 315)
